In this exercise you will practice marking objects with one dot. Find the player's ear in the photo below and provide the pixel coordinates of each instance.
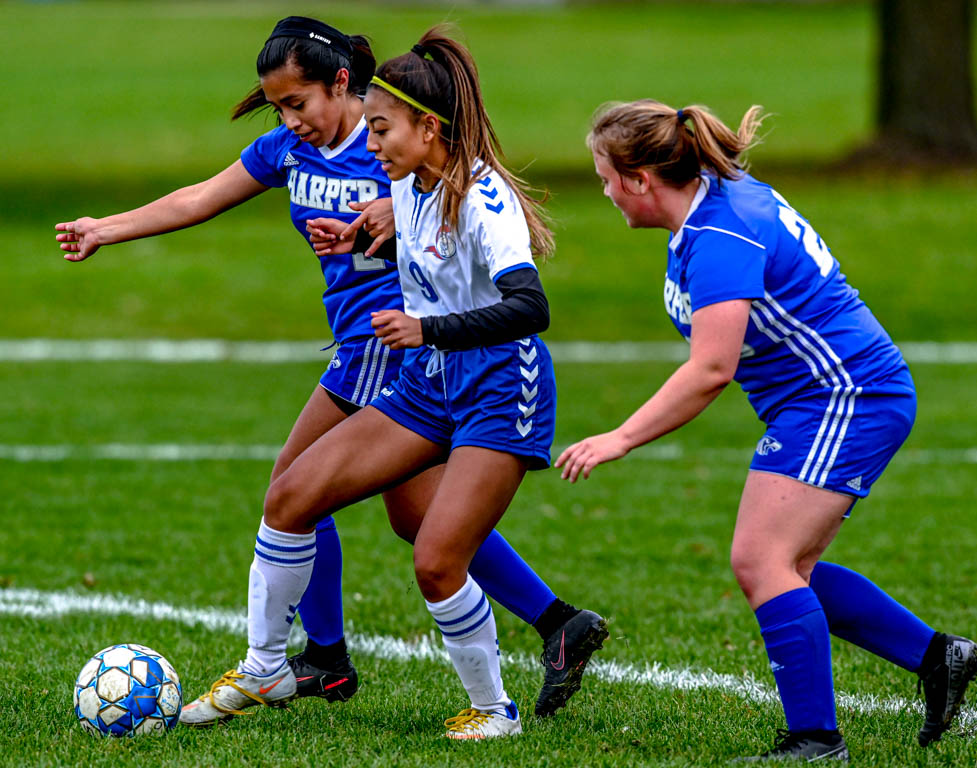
(430, 127)
(341, 85)
(642, 181)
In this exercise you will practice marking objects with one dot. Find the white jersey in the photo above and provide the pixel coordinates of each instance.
(444, 271)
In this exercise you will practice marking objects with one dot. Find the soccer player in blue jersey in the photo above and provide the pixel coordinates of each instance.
(313, 76)
(475, 389)
(761, 300)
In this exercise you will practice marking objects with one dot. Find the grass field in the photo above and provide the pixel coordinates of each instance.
(109, 104)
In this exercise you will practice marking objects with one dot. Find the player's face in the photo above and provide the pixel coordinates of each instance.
(310, 110)
(623, 192)
(400, 142)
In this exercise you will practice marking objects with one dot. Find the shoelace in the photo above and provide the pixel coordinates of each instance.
(784, 741)
(227, 679)
(467, 720)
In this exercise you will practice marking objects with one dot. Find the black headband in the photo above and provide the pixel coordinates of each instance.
(302, 27)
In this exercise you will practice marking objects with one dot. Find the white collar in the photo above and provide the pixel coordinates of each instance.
(700, 195)
(329, 154)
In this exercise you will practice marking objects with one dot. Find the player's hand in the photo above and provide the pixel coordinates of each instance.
(397, 330)
(324, 234)
(376, 218)
(581, 458)
(80, 239)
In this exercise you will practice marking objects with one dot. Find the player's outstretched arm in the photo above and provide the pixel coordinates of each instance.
(717, 340)
(183, 208)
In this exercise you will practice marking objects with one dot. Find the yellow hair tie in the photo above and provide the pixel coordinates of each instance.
(404, 97)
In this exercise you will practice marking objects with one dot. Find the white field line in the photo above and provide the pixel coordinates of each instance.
(233, 452)
(36, 604)
(272, 352)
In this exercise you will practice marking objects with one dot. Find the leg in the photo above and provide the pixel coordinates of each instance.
(357, 458)
(570, 635)
(323, 668)
(496, 566)
(782, 528)
(477, 486)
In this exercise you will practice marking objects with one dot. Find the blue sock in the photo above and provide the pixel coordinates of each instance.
(508, 579)
(861, 613)
(321, 607)
(796, 635)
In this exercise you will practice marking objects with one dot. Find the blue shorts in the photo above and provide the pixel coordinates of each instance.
(839, 440)
(501, 397)
(359, 369)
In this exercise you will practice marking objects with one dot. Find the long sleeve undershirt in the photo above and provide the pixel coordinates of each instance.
(522, 312)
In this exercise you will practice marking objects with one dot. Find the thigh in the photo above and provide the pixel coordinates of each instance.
(362, 455)
(319, 415)
(786, 525)
(406, 503)
(474, 492)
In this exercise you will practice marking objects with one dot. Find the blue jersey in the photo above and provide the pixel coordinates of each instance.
(322, 182)
(808, 328)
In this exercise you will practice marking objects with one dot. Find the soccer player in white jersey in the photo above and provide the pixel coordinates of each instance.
(313, 76)
(475, 390)
(761, 300)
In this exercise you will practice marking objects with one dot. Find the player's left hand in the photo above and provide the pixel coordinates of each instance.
(397, 330)
(581, 458)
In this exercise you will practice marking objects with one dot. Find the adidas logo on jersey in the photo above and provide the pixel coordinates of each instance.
(855, 483)
(289, 160)
(768, 445)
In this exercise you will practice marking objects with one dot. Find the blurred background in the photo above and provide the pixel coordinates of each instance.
(107, 105)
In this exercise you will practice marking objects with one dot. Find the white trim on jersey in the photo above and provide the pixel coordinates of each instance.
(329, 154)
(726, 232)
(824, 364)
(700, 195)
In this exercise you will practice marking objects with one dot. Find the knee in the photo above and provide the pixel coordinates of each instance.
(748, 568)
(279, 508)
(433, 572)
(403, 530)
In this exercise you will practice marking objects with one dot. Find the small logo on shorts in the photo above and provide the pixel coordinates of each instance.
(386, 391)
(335, 362)
(855, 483)
(768, 445)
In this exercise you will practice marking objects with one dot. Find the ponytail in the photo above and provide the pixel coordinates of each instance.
(440, 74)
(676, 144)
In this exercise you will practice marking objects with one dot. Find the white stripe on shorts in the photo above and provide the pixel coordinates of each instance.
(364, 366)
(822, 361)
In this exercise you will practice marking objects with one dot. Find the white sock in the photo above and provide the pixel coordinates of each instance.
(467, 626)
(280, 573)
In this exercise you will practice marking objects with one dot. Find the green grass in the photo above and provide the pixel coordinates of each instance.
(645, 541)
(110, 104)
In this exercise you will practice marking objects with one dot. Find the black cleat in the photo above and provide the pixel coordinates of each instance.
(809, 746)
(565, 656)
(944, 686)
(337, 684)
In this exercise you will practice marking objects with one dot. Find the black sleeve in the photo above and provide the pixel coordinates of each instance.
(387, 250)
(523, 311)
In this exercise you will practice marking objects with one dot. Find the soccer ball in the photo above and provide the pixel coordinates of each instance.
(127, 689)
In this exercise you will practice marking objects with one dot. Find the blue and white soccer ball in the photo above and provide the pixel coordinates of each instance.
(126, 690)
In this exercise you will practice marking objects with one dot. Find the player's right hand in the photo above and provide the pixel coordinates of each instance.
(79, 240)
(324, 234)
